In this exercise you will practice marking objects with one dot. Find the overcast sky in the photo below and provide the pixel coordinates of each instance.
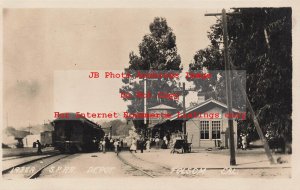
(41, 42)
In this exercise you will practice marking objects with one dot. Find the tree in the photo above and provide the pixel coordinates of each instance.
(119, 127)
(260, 43)
(157, 52)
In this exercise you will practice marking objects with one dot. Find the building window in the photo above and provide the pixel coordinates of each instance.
(204, 129)
(216, 129)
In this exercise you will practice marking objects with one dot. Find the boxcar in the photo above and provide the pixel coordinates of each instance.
(46, 138)
(72, 134)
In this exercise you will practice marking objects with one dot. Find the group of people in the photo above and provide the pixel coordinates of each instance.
(107, 144)
(161, 144)
(137, 143)
(141, 143)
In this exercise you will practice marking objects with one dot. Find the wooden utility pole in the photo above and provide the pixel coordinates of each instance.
(145, 100)
(110, 132)
(228, 86)
(228, 89)
(183, 92)
(184, 110)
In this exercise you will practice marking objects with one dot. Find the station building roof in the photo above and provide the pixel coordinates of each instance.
(203, 106)
(162, 107)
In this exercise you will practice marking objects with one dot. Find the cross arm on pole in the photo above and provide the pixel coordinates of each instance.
(220, 14)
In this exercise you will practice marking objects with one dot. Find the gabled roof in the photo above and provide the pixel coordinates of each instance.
(162, 107)
(193, 108)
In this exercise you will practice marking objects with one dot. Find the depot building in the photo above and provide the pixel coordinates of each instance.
(206, 123)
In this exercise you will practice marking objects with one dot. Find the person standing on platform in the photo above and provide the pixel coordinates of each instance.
(121, 145)
(142, 143)
(111, 144)
(244, 142)
(39, 146)
(165, 141)
(106, 143)
(100, 146)
(116, 145)
(133, 145)
(148, 145)
(157, 142)
(104, 146)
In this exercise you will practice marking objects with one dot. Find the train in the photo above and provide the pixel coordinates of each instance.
(76, 134)
(46, 138)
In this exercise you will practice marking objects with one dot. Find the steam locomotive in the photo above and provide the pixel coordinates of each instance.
(76, 134)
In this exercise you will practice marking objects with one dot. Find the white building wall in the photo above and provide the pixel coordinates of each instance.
(29, 139)
(193, 130)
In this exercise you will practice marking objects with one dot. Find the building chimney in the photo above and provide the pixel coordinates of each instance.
(201, 97)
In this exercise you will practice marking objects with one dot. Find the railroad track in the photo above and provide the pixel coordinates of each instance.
(149, 168)
(37, 173)
(25, 163)
(33, 173)
(32, 154)
(14, 158)
(164, 167)
(135, 167)
(28, 156)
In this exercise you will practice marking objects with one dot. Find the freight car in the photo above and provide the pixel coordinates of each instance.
(46, 138)
(73, 134)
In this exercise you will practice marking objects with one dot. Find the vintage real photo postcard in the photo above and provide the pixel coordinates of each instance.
(134, 93)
